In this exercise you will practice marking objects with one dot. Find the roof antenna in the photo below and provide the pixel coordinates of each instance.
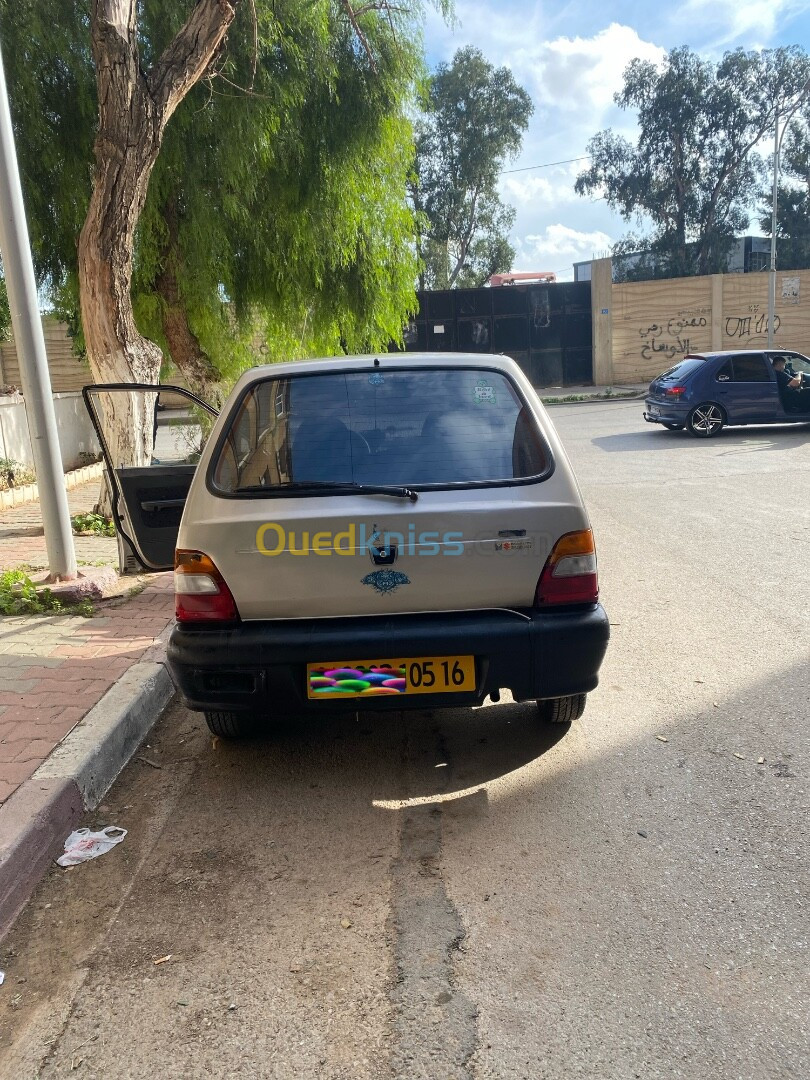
(376, 362)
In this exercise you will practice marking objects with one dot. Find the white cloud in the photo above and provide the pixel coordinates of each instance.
(580, 75)
(528, 190)
(574, 74)
(726, 21)
(558, 245)
(494, 27)
(551, 188)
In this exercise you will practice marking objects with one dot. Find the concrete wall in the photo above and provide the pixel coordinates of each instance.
(67, 371)
(76, 435)
(652, 324)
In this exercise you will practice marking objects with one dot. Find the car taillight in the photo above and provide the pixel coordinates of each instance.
(200, 592)
(569, 576)
(675, 391)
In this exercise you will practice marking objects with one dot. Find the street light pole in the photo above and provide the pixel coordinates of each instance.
(25, 319)
(777, 146)
(772, 271)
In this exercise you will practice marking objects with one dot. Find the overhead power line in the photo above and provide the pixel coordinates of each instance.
(547, 165)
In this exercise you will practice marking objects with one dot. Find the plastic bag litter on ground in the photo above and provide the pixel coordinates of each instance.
(83, 845)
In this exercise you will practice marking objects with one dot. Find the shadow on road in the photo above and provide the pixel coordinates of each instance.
(779, 437)
(487, 743)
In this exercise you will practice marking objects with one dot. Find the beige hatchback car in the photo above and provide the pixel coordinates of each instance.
(393, 531)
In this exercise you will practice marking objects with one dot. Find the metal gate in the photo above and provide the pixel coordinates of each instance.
(545, 328)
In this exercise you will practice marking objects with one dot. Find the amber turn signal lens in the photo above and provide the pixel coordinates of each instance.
(200, 591)
(569, 576)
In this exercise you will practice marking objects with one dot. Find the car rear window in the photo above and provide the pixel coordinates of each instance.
(683, 369)
(425, 427)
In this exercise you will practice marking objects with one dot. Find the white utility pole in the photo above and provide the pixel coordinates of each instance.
(36, 381)
(777, 147)
(772, 270)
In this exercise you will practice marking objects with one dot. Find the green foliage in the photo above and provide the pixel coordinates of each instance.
(46, 54)
(692, 177)
(20, 596)
(276, 212)
(474, 119)
(92, 524)
(14, 474)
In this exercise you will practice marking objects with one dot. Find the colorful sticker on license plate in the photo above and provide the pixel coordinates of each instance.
(386, 678)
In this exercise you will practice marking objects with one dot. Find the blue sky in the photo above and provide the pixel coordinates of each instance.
(570, 57)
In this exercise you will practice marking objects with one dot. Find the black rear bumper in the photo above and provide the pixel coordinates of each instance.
(262, 665)
(668, 413)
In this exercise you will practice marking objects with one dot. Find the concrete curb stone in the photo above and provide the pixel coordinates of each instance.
(33, 825)
(38, 817)
(593, 399)
(30, 492)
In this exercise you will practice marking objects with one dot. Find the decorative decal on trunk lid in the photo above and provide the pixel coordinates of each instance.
(386, 581)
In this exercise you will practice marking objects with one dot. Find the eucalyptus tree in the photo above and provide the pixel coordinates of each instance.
(473, 120)
(691, 179)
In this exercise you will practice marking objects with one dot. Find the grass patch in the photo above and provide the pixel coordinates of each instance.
(20, 596)
(92, 525)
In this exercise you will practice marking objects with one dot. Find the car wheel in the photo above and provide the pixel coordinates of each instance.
(706, 420)
(673, 427)
(231, 725)
(562, 710)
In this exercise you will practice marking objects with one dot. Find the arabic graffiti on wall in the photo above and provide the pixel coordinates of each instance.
(672, 338)
(751, 328)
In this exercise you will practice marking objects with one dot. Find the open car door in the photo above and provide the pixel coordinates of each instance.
(148, 500)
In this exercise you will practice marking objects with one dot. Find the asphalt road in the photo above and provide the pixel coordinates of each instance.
(461, 894)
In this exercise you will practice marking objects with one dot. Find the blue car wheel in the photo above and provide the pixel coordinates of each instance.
(706, 420)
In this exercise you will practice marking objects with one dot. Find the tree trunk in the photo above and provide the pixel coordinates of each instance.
(194, 363)
(134, 108)
(196, 366)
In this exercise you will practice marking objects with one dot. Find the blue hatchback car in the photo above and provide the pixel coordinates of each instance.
(706, 391)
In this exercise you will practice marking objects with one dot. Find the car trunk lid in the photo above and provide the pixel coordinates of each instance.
(364, 555)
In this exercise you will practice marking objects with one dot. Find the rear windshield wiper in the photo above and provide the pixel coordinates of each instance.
(330, 485)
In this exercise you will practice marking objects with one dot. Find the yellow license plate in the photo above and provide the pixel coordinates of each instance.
(385, 678)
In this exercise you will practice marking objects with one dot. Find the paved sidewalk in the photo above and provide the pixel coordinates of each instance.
(54, 669)
(77, 696)
(22, 539)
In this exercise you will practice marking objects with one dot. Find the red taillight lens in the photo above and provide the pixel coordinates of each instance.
(675, 391)
(200, 592)
(569, 576)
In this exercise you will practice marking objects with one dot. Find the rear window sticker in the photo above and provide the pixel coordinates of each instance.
(376, 379)
(484, 393)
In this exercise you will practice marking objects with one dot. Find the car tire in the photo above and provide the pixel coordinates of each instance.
(706, 420)
(562, 710)
(673, 427)
(231, 725)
